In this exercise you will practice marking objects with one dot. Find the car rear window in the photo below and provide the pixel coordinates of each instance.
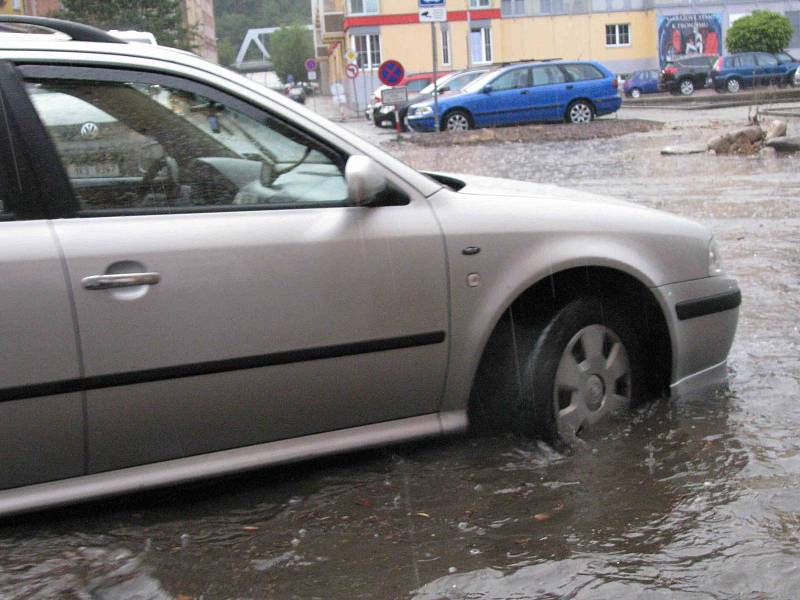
(582, 72)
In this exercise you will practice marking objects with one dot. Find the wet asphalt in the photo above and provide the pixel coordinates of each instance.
(695, 498)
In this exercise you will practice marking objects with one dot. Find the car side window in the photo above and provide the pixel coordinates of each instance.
(581, 72)
(516, 78)
(417, 84)
(547, 75)
(766, 60)
(139, 146)
(746, 60)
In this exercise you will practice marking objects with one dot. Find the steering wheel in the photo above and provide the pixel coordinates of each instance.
(173, 173)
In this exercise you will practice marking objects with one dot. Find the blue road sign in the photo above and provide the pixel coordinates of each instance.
(430, 3)
(391, 73)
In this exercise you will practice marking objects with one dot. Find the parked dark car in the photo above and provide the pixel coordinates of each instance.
(733, 72)
(571, 91)
(297, 93)
(687, 74)
(446, 85)
(641, 82)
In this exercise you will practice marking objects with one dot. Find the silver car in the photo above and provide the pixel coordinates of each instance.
(201, 277)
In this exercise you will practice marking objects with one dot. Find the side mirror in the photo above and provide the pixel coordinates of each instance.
(487, 89)
(365, 180)
(444, 88)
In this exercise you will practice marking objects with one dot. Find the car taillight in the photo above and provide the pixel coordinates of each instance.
(671, 71)
(615, 83)
(718, 65)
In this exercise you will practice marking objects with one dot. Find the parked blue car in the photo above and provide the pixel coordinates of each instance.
(641, 82)
(733, 72)
(571, 91)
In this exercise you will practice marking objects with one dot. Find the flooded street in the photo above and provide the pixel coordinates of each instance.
(694, 498)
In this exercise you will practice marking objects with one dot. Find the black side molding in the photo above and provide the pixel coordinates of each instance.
(689, 309)
(220, 366)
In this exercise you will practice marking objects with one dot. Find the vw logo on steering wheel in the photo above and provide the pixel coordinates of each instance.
(89, 131)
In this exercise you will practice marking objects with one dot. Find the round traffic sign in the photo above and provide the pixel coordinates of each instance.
(351, 71)
(311, 64)
(391, 72)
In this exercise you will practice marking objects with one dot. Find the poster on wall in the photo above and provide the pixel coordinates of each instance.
(687, 35)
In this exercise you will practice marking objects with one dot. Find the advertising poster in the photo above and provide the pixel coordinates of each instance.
(687, 35)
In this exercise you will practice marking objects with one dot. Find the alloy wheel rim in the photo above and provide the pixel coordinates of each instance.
(457, 123)
(636, 93)
(733, 85)
(593, 380)
(580, 113)
(687, 87)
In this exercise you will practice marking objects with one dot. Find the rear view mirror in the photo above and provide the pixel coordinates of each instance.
(487, 89)
(365, 180)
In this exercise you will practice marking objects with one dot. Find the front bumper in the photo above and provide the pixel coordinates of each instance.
(421, 123)
(702, 316)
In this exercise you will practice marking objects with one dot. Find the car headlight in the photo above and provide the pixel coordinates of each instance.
(715, 266)
(423, 111)
(385, 110)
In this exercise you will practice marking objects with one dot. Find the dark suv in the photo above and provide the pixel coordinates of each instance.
(687, 74)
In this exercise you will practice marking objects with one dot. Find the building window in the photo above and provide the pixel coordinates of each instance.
(446, 60)
(513, 8)
(480, 3)
(480, 45)
(363, 7)
(368, 50)
(552, 7)
(618, 35)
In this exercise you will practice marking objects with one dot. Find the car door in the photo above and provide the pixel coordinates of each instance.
(256, 305)
(507, 101)
(41, 407)
(770, 70)
(548, 93)
(747, 69)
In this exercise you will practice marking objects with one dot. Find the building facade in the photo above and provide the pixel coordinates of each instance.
(624, 35)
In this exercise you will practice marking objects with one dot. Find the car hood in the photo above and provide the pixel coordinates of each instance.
(495, 186)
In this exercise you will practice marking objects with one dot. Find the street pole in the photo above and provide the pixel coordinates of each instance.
(435, 87)
(469, 33)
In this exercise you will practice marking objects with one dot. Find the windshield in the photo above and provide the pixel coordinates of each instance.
(478, 84)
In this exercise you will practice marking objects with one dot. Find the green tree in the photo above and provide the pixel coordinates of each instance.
(163, 18)
(289, 48)
(235, 17)
(763, 31)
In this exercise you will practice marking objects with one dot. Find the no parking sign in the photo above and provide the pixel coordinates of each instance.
(391, 72)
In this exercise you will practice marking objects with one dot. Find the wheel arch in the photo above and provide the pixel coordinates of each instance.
(580, 99)
(452, 109)
(540, 300)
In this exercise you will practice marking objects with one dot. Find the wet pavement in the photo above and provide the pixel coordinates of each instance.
(695, 498)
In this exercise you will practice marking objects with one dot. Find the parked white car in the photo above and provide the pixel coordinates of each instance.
(201, 277)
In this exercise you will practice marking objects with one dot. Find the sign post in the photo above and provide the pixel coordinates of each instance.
(433, 11)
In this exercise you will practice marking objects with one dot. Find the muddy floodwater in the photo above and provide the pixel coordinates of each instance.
(694, 498)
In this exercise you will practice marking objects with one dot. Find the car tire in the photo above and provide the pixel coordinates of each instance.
(686, 87)
(636, 93)
(457, 120)
(580, 111)
(733, 85)
(584, 366)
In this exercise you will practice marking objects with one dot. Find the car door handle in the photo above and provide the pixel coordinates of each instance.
(524, 92)
(569, 87)
(106, 282)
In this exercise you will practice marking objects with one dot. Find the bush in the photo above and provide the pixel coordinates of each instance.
(763, 31)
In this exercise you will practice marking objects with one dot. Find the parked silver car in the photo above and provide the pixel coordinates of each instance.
(201, 277)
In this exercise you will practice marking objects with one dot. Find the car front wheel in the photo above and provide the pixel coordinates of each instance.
(457, 121)
(584, 367)
(687, 87)
(636, 93)
(733, 85)
(580, 112)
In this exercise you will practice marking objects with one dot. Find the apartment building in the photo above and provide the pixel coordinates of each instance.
(625, 35)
